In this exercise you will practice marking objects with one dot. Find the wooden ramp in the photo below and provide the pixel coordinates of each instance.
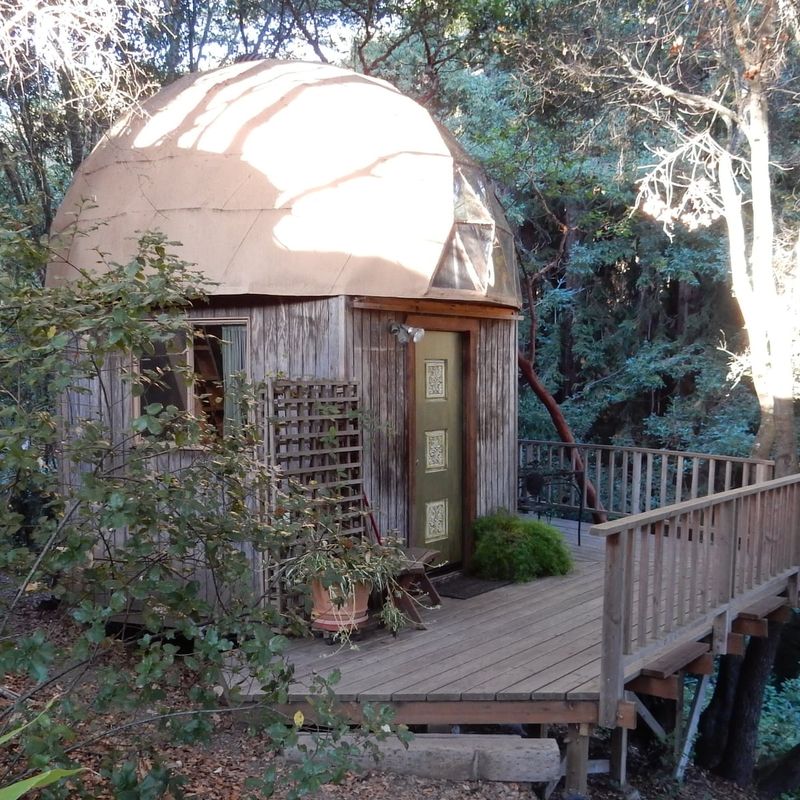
(484, 659)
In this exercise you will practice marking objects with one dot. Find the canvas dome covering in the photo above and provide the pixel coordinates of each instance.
(292, 178)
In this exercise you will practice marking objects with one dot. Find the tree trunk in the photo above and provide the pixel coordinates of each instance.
(715, 721)
(739, 756)
(766, 315)
(564, 432)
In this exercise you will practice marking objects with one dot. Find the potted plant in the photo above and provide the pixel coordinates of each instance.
(341, 571)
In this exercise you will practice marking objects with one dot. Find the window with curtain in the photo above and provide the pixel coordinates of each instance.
(199, 377)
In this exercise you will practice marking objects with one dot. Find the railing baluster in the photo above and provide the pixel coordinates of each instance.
(637, 480)
(741, 544)
(712, 476)
(658, 576)
(708, 519)
(756, 538)
(648, 491)
(777, 499)
(598, 455)
(611, 481)
(644, 584)
(679, 480)
(662, 499)
(584, 454)
(623, 500)
(771, 513)
(693, 521)
(758, 524)
(672, 559)
(793, 525)
(746, 544)
(695, 476)
(681, 541)
(627, 617)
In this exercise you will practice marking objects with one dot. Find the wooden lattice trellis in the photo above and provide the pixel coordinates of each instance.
(312, 439)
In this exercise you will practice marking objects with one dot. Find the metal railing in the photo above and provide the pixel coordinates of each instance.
(628, 480)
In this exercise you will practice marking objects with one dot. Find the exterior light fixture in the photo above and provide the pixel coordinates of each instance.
(406, 333)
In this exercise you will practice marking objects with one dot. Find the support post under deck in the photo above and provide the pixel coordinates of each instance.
(619, 756)
(577, 767)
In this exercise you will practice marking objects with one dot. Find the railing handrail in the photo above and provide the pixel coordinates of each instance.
(708, 501)
(653, 450)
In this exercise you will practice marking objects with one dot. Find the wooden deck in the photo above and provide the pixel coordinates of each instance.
(533, 642)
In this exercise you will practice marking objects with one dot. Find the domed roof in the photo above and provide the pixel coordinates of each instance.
(292, 178)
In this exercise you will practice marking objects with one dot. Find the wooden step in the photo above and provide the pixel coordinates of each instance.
(675, 660)
(460, 757)
(763, 608)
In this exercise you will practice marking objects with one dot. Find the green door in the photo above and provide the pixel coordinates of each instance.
(438, 450)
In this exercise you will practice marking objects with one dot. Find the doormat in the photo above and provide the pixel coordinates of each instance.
(463, 587)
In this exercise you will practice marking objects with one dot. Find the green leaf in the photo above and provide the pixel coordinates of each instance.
(36, 782)
(116, 501)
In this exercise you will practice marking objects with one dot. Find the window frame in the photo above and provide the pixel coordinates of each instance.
(192, 401)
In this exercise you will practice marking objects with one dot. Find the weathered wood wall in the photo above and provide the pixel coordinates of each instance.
(327, 338)
(497, 415)
(379, 362)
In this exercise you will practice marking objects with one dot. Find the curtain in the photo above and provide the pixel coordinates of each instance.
(234, 342)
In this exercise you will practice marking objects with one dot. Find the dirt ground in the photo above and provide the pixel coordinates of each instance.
(219, 771)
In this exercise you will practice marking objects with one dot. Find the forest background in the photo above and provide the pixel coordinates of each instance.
(646, 152)
(587, 115)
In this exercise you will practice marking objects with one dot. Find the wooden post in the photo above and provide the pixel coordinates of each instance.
(679, 724)
(611, 662)
(575, 780)
(619, 755)
(721, 628)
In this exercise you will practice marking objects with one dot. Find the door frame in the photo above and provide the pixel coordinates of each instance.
(470, 329)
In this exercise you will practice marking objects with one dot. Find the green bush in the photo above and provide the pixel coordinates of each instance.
(779, 727)
(511, 548)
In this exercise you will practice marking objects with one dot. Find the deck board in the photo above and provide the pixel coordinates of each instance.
(537, 641)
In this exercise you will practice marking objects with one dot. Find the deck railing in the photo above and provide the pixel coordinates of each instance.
(675, 574)
(628, 480)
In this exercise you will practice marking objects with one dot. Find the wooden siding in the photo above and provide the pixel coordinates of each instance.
(329, 338)
(378, 361)
(497, 415)
(298, 338)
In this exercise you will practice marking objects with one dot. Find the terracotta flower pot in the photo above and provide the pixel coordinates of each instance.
(332, 613)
